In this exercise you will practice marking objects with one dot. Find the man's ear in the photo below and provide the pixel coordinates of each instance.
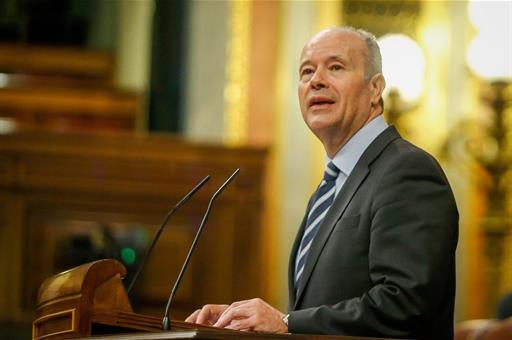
(377, 85)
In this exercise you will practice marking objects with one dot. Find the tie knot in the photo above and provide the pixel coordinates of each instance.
(331, 172)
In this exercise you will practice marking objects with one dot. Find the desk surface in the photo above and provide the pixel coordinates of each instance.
(223, 334)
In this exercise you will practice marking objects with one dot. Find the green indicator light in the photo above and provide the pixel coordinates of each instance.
(128, 255)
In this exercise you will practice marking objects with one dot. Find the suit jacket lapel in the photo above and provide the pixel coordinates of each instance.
(337, 209)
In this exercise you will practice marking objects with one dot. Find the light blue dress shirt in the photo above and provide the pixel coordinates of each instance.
(347, 157)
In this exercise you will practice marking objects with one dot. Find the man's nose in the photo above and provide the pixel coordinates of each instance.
(318, 80)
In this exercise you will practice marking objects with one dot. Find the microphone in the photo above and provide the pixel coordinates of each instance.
(165, 321)
(166, 219)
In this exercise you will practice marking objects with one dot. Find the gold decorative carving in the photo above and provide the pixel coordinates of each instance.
(383, 16)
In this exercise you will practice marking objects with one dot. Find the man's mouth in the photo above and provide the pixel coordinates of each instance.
(320, 102)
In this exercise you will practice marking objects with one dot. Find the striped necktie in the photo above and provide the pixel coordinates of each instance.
(324, 198)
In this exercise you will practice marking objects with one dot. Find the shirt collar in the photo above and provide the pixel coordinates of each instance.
(347, 157)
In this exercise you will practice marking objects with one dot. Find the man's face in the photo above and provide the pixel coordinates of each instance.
(335, 99)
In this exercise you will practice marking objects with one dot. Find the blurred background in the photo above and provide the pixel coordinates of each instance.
(111, 110)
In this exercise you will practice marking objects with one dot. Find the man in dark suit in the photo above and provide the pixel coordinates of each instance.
(375, 253)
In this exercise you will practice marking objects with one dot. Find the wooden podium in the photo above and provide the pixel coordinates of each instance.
(90, 301)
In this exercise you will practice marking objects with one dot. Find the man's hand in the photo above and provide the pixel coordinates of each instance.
(208, 315)
(254, 315)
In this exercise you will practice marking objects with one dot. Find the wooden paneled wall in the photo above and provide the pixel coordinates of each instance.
(64, 89)
(70, 198)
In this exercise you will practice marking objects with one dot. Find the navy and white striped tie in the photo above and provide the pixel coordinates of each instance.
(324, 198)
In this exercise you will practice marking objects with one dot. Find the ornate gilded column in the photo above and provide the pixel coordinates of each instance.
(495, 157)
(237, 72)
(489, 58)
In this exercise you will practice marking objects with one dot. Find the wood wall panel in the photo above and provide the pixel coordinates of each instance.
(64, 89)
(53, 61)
(83, 189)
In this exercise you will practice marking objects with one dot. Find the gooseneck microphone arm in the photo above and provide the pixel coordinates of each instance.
(165, 322)
(164, 223)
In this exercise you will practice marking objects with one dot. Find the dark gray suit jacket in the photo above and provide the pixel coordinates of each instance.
(383, 260)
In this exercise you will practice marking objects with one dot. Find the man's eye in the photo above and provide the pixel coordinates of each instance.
(336, 67)
(306, 71)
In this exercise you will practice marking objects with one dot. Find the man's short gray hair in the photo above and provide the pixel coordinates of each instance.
(373, 58)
